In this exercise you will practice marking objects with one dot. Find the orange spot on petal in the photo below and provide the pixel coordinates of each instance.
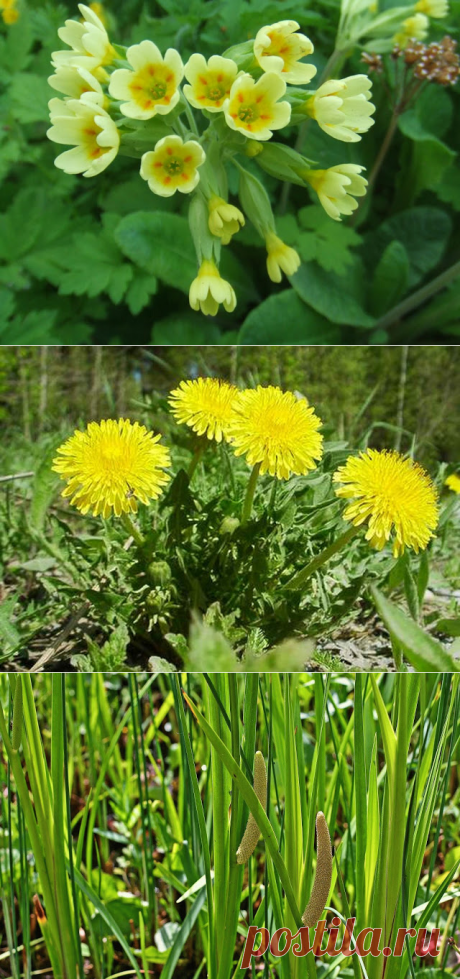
(167, 180)
(240, 97)
(169, 150)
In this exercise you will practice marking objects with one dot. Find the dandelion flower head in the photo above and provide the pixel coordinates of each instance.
(111, 466)
(395, 495)
(276, 430)
(205, 405)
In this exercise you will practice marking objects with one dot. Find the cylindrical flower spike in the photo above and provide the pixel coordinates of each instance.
(252, 831)
(323, 874)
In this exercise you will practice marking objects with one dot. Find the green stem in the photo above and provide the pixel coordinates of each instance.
(320, 559)
(389, 136)
(191, 119)
(132, 530)
(196, 459)
(419, 297)
(249, 498)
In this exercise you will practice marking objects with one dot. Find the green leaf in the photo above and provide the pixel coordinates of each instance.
(161, 244)
(8, 632)
(449, 190)
(423, 652)
(451, 627)
(338, 298)
(186, 328)
(424, 232)
(115, 930)
(95, 265)
(21, 225)
(30, 95)
(391, 279)
(142, 287)
(34, 328)
(284, 318)
(112, 655)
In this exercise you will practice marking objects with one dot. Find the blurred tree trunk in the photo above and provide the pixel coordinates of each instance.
(401, 396)
(96, 382)
(43, 400)
(24, 391)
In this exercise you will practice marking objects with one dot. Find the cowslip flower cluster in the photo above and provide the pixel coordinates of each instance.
(188, 122)
(361, 21)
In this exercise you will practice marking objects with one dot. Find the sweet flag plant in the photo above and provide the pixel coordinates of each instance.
(189, 123)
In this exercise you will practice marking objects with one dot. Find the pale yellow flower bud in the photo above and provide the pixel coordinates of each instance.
(280, 257)
(337, 188)
(225, 220)
(209, 290)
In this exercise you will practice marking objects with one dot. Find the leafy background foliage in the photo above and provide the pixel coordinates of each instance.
(58, 568)
(98, 260)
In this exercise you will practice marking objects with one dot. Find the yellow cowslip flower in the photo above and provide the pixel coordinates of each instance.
(276, 430)
(342, 107)
(225, 220)
(74, 81)
(111, 466)
(10, 15)
(172, 166)
(453, 482)
(89, 43)
(152, 87)
(395, 495)
(210, 81)
(414, 28)
(432, 8)
(337, 188)
(253, 108)
(209, 290)
(278, 48)
(205, 405)
(86, 126)
(280, 257)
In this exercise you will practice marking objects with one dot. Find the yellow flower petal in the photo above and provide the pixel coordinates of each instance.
(394, 494)
(172, 165)
(112, 465)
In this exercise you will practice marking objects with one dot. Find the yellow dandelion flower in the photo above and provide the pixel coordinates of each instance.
(253, 107)
(89, 43)
(276, 430)
(152, 87)
(10, 15)
(395, 495)
(210, 81)
(432, 8)
(205, 405)
(413, 28)
(337, 188)
(74, 81)
(86, 126)
(453, 482)
(111, 466)
(225, 220)
(172, 166)
(280, 257)
(342, 107)
(209, 290)
(279, 48)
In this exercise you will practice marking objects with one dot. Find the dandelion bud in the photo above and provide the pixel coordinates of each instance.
(229, 525)
(160, 572)
(252, 831)
(323, 874)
